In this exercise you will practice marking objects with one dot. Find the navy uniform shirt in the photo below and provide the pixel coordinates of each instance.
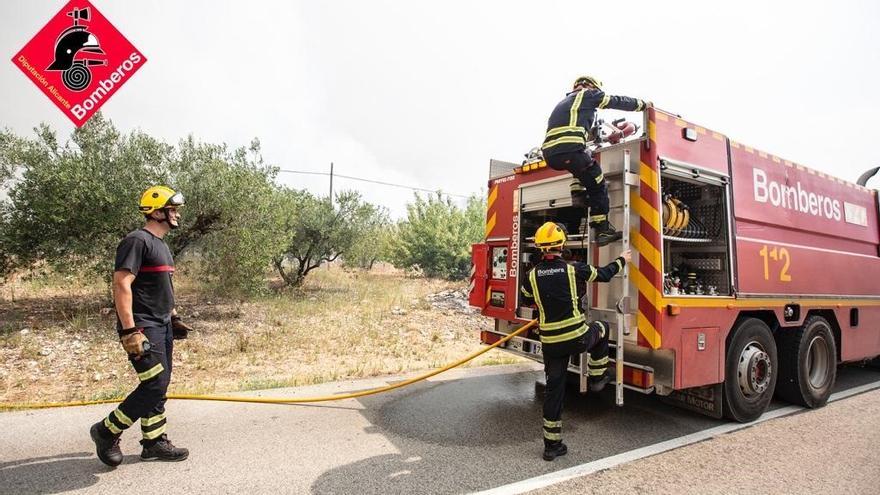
(148, 258)
(556, 285)
(573, 117)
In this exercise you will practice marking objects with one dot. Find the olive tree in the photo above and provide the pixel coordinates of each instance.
(437, 235)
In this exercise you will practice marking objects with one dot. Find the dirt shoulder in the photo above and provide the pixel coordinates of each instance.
(59, 345)
(829, 450)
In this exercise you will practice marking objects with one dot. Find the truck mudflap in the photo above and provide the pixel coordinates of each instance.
(704, 400)
(479, 275)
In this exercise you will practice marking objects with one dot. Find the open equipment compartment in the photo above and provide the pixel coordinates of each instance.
(696, 231)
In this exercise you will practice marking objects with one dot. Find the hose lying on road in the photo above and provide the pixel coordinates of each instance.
(290, 400)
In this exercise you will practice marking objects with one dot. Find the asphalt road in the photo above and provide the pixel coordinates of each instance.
(463, 431)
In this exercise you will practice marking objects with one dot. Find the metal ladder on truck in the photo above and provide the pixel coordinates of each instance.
(620, 184)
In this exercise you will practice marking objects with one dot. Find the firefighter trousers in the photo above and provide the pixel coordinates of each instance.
(589, 173)
(595, 341)
(147, 401)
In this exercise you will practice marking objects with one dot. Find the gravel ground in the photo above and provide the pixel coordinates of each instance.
(829, 450)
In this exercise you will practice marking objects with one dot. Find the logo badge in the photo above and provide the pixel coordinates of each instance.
(79, 60)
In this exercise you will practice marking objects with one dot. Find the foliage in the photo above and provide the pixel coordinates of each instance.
(231, 200)
(318, 231)
(437, 236)
(374, 243)
(69, 205)
(72, 204)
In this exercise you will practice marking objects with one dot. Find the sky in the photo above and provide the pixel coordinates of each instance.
(424, 93)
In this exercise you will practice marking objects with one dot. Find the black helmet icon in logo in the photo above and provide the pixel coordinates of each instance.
(75, 51)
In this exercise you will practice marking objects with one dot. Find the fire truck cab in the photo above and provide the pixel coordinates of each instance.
(751, 275)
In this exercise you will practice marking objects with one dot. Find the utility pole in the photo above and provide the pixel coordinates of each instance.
(331, 184)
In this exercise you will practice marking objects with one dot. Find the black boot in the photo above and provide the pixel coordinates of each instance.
(597, 383)
(162, 450)
(552, 450)
(605, 232)
(106, 445)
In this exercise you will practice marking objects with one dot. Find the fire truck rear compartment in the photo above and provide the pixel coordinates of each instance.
(696, 240)
(550, 200)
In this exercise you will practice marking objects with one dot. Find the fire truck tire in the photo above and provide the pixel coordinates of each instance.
(750, 371)
(807, 363)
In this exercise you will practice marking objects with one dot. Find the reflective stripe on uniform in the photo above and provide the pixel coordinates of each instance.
(597, 371)
(598, 362)
(122, 417)
(605, 100)
(553, 437)
(150, 435)
(572, 286)
(593, 273)
(557, 325)
(573, 112)
(533, 280)
(552, 424)
(525, 291)
(564, 337)
(566, 128)
(564, 140)
(600, 178)
(110, 426)
(150, 373)
(153, 420)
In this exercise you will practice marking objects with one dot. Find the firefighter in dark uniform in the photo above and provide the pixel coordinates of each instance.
(564, 331)
(565, 145)
(147, 324)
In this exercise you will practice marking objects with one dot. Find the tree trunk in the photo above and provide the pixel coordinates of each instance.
(278, 262)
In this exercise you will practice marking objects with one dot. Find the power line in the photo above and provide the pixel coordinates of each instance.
(371, 181)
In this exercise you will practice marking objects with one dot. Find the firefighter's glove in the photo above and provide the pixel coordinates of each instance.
(179, 329)
(133, 341)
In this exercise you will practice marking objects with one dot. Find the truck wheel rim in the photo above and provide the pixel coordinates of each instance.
(817, 362)
(754, 370)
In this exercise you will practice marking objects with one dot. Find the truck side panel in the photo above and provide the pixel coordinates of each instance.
(801, 232)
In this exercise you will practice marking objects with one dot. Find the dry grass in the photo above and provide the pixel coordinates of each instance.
(341, 325)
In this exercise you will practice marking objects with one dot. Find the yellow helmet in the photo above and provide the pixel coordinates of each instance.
(587, 80)
(158, 197)
(549, 236)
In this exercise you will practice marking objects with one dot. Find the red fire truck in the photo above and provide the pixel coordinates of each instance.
(751, 275)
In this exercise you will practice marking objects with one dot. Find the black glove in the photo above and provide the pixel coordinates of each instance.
(179, 329)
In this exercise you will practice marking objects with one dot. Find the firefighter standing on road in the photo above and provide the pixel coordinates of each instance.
(147, 324)
(565, 145)
(563, 328)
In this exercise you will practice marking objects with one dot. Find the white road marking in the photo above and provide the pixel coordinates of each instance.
(632, 455)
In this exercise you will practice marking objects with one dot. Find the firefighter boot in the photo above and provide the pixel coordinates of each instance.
(552, 450)
(597, 383)
(106, 445)
(605, 232)
(162, 450)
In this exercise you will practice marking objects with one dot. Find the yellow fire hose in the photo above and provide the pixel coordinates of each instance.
(290, 400)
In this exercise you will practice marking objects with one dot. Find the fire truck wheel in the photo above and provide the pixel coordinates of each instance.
(750, 371)
(807, 363)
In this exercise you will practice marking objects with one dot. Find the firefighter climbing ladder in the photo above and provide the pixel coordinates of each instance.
(618, 181)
